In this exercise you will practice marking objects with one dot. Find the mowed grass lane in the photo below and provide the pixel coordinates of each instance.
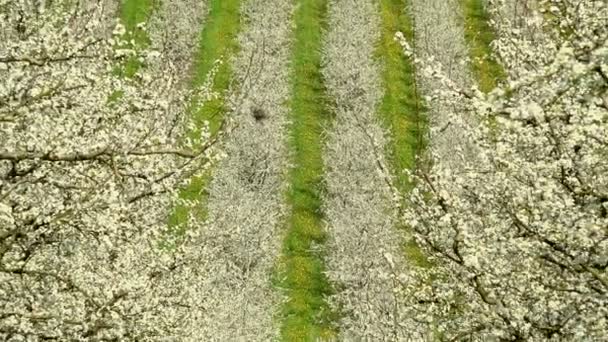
(478, 33)
(305, 314)
(132, 13)
(401, 110)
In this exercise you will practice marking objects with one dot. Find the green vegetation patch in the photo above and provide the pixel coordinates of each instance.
(217, 42)
(479, 35)
(401, 110)
(132, 13)
(305, 315)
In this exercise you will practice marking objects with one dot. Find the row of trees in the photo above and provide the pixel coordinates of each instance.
(360, 220)
(518, 232)
(89, 164)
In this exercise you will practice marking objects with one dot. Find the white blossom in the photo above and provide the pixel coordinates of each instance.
(516, 227)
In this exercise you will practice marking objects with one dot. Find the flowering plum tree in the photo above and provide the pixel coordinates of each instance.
(89, 163)
(518, 234)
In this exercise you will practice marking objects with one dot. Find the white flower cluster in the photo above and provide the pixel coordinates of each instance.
(519, 233)
(88, 165)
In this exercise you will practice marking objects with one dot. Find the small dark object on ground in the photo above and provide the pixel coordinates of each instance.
(259, 114)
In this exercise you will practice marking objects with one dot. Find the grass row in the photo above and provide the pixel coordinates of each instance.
(478, 33)
(132, 13)
(217, 42)
(401, 110)
(305, 315)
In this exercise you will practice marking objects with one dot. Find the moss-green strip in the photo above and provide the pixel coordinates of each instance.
(133, 12)
(217, 42)
(306, 316)
(479, 35)
(401, 109)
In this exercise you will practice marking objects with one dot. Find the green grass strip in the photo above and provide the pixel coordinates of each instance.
(133, 12)
(479, 35)
(401, 109)
(306, 316)
(217, 42)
